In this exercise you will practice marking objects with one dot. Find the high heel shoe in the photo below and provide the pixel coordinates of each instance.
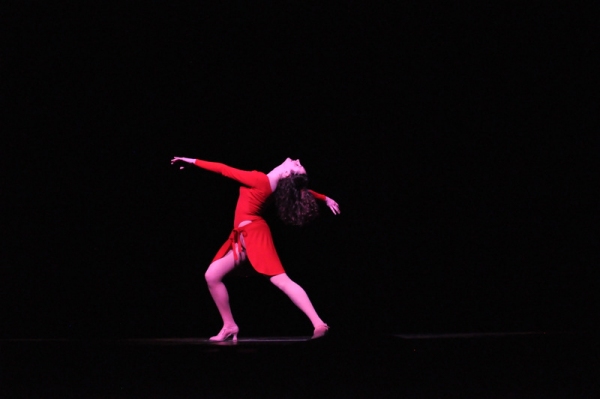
(320, 331)
(225, 333)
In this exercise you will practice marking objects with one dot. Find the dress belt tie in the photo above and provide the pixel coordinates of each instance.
(234, 237)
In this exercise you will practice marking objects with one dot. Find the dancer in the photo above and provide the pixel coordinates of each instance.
(251, 237)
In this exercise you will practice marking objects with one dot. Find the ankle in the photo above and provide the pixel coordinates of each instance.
(318, 323)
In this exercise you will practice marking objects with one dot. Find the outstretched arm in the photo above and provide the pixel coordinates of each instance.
(211, 166)
(245, 177)
(335, 208)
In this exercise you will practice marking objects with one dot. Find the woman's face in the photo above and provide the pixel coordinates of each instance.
(293, 166)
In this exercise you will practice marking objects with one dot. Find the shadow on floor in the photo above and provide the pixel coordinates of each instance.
(496, 365)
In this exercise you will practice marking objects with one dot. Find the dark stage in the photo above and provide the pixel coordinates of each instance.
(460, 141)
(503, 365)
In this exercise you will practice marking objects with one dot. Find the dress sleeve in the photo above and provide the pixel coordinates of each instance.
(318, 196)
(247, 178)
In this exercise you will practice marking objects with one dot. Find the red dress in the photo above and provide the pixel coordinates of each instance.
(258, 241)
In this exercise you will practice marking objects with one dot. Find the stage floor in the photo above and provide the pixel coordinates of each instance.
(471, 365)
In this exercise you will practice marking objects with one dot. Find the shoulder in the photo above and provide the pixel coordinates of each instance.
(263, 181)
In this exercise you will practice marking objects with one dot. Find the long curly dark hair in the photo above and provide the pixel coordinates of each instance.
(295, 204)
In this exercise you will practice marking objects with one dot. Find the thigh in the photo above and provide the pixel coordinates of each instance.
(220, 267)
(280, 280)
(240, 248)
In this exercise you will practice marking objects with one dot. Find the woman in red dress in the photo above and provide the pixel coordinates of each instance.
(251, 237)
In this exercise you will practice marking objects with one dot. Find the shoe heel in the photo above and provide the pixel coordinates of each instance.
(224, 335)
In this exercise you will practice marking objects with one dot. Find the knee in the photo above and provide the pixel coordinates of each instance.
(211, 277)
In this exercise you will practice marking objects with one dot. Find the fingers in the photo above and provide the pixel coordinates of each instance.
(175, 159)
(335, 208)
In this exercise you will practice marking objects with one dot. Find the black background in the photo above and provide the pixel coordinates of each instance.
(458, 140)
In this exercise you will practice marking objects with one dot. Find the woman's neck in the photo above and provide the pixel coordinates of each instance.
(274, 177)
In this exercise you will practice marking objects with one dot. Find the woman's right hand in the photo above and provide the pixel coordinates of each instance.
(187, 160)
(335, 208)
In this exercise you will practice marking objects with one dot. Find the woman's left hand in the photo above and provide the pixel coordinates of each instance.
(335, 208)
(188, 160)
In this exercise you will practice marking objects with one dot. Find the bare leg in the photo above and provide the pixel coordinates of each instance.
(214, 279)
(298, 296)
